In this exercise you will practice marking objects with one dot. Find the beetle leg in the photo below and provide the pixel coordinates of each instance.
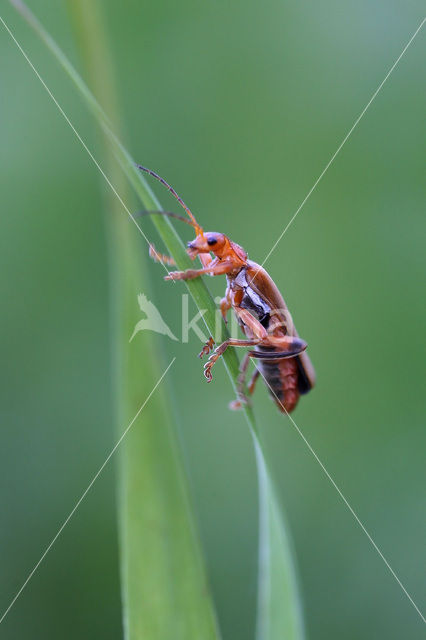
(241, 396)
(207, 347)
(205, 259)
(225, 305)
(160, 257)
(286, 347)
(216, 268)
(252, 383)
(252, 323)
(220, 350)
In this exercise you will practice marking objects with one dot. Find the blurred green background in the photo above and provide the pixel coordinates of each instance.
(240, 106)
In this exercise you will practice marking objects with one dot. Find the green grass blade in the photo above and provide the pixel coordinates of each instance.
(279, 614)
(165, 593)
(279, 609)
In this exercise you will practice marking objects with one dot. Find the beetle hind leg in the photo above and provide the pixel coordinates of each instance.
(241, 398)
(253, 380)
(243, 393)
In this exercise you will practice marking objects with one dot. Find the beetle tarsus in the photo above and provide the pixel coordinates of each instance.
(209, 364)
(235, 405)
(207, 348)
(207, 374)
(240, 402)
(174, 275)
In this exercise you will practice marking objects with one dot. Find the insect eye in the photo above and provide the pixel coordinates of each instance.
(211, 241)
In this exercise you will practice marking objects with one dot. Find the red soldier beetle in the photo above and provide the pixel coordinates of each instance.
(260, 309)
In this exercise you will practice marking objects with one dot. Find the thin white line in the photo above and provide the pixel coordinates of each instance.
(77, 134)
(95, 477)
(345, 500)
(345, 139)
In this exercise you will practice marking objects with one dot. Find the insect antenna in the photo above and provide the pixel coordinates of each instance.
(169, 214)
(173, 192)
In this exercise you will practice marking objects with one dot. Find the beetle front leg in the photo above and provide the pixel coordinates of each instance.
(189, 274)
(160, 257)
(215, 268)
(205, 259)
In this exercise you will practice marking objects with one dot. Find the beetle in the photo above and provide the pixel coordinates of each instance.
(260, 309)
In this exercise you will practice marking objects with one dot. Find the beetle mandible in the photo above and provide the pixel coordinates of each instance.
(260, 309)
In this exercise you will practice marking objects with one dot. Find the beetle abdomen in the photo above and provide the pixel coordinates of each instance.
(281, 377)
(287, 378)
